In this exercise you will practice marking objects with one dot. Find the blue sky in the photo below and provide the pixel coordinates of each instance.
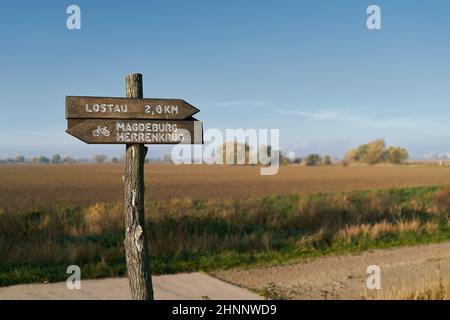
(310, 68)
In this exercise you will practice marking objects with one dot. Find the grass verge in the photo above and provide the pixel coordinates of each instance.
(38, 245)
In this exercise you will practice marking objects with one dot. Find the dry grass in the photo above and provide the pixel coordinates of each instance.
(188, 235)
(28, 186)
(377, 230)
(206, 217)
(100, 218)
(432, 290)
(435, 292)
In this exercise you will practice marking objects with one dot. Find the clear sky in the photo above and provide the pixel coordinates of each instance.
(308, 67)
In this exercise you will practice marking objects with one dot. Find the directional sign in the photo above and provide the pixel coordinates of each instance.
(134, 121)
(124, 131)
(127, 108)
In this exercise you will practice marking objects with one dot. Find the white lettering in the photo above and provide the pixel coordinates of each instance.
(374, 20)
(74, 20)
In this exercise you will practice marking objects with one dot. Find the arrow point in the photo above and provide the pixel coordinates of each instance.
(69, 131)
(195, 109)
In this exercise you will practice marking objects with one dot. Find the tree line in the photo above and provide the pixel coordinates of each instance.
(58, 159)
(371, 153)
(374, 152)
(55, 159)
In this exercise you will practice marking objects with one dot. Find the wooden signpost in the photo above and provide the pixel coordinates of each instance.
(134, 121)
(114, 131)
(127, 108)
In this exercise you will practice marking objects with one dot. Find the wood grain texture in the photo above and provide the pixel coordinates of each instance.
(136, 245)
(114, 131)
(127, 108)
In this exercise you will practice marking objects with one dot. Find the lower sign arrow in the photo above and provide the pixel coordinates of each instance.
(96, 131)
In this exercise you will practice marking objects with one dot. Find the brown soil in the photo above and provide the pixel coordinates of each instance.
(27, 186)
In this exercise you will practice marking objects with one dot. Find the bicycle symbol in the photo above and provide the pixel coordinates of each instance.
(101, 131)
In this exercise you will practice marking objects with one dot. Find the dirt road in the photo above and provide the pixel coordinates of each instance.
(337, 277)
(183, 286)
(345, 277)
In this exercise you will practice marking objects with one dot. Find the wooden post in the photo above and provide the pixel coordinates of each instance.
(136, 245)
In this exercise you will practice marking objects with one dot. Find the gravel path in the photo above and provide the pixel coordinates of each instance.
(344, 277)
(183, 286)
(337, 277)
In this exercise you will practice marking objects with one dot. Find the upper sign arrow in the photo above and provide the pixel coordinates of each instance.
(127, 108)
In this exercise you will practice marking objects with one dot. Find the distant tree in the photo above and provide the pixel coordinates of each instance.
(284, 160)
(297, 160)
(396, 155)
(20, 159)
(117, 160)
(41, 159)
(68, 159)
(230, 151)
(100, 158)
(361, 153)
(56, 159)
(327, 160)
(351, 156)
(376, 152)
(313, 160)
